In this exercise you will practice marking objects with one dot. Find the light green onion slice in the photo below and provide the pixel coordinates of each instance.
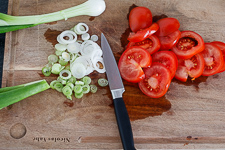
(77, 89)
(52, 84)
(102, 82)
(56, 68)
(93, 88)
(70, 85)
(72, 80)
(79, 83)
(52, 58)
(86, 80)
(85, 88)
(60, 47)
(67, 91)
(61, 80)
(63, 72)
(46, 71)
(63, 62)
(58, 86)
(58, 53)
(79, 95)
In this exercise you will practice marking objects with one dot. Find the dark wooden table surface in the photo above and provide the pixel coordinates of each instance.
(3, 9)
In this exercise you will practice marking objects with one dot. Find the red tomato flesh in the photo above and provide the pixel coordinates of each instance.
(167, 42)
(131, 63)
(143, 34)
(157, 80)
(192, 67)
(151, 44)
(140, 18)
(213, 57)
(189, 44)
(221, 45)
(167, 26)
(167, 58)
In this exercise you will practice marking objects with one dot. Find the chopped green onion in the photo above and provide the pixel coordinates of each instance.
(79, 83)
(93, 88)
(58, 53)
(77, 89)
(72, 80)
(102, 82)
(67, 68)
(86, 80)
(85, 88)
(52, 84)
(61, 74)
(70, 85)
(79, 95)
(46, 71)
(52, 58)
(67, 91)
(56, 68)
(61, 80)
(63, 62)
(58, 86)
(11, 23)
(10, 95)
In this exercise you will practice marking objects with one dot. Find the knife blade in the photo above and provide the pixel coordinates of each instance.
(117, 88)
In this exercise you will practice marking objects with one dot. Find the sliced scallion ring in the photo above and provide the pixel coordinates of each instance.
(67, 91)
(65, 56)
(102, 82)
(60, 47)
(62, 62)
(85, 88)
(46, 71)
(71, 85)
(79, 83)
(81, 28)
(56, 68)
(72, 80)
(94, 38)
(58, 86)
(52, 58)
(86, 80)
(93, 88)
(67, 72)
(58, 53)
(52, 84)
(66, 34)
(73, 47)
(85, 36)
(77, 89)
(79, 95)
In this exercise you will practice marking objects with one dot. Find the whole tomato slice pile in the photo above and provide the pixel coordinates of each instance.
(158, 51)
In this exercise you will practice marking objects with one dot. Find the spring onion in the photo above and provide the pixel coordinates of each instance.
(56, 68)
(63, 72)
(61, 80)
(85, 88)
(86, 80)
(79, 83)
(11, 23)
(52, 58)
(77, 89)
(71, 85)
(10, 95)
(79, 95)
(93, 88)
(72, 80)
(67, 91)
(102, 82)
(46, 71)
(58, 86)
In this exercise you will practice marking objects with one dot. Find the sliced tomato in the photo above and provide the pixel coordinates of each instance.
(221, 45)
(151, 44)
(167, 58)
(189, 44)
(213, 57)
(131, 63)
(157, 80)
(192, 67)
(167, 26)
(143, 34)
(140, 18)
(167, 42)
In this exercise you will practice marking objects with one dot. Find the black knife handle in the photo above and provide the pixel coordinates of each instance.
(124, 125)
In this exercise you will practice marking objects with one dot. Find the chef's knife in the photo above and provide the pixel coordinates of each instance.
(117, 89)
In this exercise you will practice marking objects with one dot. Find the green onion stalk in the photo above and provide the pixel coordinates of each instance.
(12, 23)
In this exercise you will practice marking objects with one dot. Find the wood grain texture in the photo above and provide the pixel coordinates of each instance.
(189, 116)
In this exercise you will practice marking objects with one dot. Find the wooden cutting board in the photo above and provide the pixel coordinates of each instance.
(191, 115)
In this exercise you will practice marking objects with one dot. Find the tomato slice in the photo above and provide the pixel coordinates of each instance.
(143, 34)
(131, 63)
(221, 45)
(140, 18)
(189, 44)
(167, 42)
(167, 58)
(192, 67)
(151, 44)
(167, 26)
(157, 80)
(213, 57)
